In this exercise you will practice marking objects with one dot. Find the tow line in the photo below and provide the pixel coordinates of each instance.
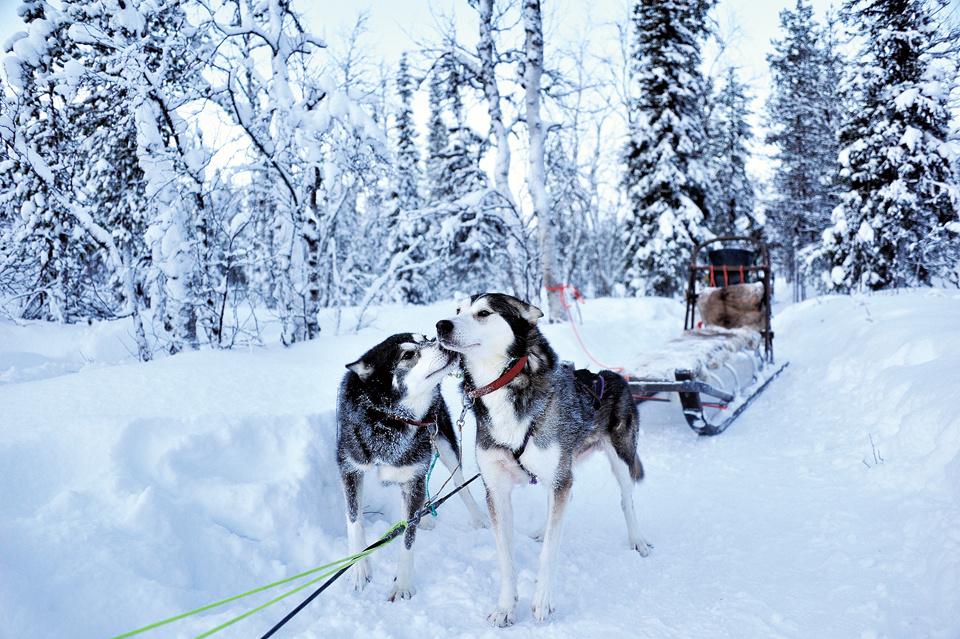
(333, 571)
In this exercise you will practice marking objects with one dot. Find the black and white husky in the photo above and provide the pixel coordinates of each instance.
(535, 426)
(389, 406)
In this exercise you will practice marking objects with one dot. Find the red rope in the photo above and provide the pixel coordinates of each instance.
(562, 288)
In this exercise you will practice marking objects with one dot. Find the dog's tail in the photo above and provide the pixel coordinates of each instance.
(636, 468)
(625, 433)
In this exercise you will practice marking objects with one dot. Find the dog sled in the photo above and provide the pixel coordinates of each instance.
(724, 358)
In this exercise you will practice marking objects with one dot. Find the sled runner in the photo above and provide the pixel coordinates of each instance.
(724, 358)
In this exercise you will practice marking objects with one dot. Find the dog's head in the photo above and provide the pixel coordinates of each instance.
(409, 364)
(489, 325)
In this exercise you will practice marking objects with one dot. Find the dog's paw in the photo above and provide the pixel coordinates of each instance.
(501, 618)
(427, 523)
(537, 536)
(361, 574)
(641, 547)
(400, 592)
(541, 606)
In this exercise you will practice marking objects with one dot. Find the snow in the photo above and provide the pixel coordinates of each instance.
(130, 18)
(906, 99)
(135, 491)
(911, 135)
(837, 275)
(40, 165)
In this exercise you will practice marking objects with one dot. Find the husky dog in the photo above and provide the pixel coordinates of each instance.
(533, 427)
(390, 416)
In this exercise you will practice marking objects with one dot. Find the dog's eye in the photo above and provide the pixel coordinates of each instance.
(406, 355)
(484, 313)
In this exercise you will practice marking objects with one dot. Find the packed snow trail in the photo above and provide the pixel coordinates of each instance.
(131, 492)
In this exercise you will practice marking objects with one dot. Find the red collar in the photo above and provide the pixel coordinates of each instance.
(501, 381)
(415, 422)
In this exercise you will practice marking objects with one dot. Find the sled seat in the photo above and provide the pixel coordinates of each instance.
(699, 351)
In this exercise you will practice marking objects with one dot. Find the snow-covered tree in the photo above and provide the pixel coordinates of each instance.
(893, 222)
(666, 176)
(466, 228)
(802, 116)
(408, 155)
(405, 229)
(731, 196)
(42, 240)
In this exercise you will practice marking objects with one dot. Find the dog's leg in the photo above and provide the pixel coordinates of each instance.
(353, 491)
(499, 488)
(557, 503)
(413, 498)
(622, 472)
(449, 460)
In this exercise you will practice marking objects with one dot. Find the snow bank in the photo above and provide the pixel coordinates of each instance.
(895, 361)
(131, 491)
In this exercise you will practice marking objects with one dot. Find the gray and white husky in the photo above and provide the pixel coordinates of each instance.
(536, 426)
(389, 405)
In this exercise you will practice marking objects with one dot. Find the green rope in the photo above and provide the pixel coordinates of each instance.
(433, 509)
(337, 565)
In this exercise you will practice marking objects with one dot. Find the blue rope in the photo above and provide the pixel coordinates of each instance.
(433, 509)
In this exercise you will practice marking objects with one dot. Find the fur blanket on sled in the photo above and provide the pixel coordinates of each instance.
(736, 306)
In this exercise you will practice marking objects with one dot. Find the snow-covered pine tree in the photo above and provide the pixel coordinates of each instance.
(411, 283)
(665, 175)
(438, 134)
(467, 232)
(893, 220)
(731, 196)
(408, 155)
(802, 114)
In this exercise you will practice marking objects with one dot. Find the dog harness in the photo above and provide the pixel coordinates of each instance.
(517, 453)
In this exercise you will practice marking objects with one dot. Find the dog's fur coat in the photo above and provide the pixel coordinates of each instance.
(537, 425)
(395, 383)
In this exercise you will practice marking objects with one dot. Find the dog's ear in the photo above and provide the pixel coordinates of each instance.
(361, 368)
(529, 312)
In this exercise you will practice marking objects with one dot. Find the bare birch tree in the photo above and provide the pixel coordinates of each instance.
(536, 171)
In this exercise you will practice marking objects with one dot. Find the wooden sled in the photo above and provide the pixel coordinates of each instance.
(724, 358)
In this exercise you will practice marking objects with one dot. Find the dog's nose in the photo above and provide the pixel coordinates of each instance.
(444, 327)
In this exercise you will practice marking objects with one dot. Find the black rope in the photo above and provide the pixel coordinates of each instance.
(380, 542)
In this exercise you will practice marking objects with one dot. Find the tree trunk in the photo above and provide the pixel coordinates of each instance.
(311, 241)
(536, 172)
(487, 53)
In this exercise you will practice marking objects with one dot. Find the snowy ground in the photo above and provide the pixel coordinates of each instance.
(130, 492)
